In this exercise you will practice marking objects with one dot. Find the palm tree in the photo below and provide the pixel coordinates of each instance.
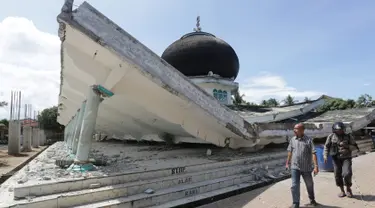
(238, 98)
(289, 100)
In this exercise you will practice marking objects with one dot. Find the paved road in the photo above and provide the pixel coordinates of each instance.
(278, 195)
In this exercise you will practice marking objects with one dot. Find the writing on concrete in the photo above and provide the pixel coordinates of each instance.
(185, 180)
(192, 192)
(178, 170)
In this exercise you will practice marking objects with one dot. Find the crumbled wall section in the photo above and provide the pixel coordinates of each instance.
(102, 30)
(287, 126)
(67, 8)
(275, 116)
(364, 121)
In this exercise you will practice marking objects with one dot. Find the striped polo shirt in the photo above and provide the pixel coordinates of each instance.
(302, 150)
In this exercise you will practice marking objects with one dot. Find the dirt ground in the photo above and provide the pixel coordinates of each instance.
(10, 162)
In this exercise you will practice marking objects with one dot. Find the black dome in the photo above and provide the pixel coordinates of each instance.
(198, 53)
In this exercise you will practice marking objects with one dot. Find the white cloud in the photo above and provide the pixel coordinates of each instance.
(266, 86)
(29, 62)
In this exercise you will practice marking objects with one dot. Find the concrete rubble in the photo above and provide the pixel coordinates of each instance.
(122, 158)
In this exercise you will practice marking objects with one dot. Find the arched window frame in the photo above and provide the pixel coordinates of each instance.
(220, 95)
(215, 93)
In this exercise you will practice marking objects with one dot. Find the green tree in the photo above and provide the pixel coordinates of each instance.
(272, 102)
(337, 104)
(264, 103)
(3, 103)
(5, 122)
(351, 103)
(48, 119)
(364, 100)
(251, 104)
(306, 99)
(238, 98)
(289, 100)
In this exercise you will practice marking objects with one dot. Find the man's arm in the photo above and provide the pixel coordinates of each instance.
(327, 146)
(290, 149)
(352, 142)
(313, 151)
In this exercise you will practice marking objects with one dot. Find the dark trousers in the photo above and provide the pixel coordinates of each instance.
(296, 178)
(343, 171)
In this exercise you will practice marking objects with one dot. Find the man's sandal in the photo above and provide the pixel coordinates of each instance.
(349, 194)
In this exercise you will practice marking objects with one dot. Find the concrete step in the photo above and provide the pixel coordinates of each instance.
(175, 193)
(49, 188)
(109, 192)
(208, 197)
(364, 147)
(363, 141)
(188, 200)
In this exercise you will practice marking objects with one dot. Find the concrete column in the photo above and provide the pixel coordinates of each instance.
(35, 140)
(77, 130)
(27, 135)
(68, 133)
(88, 127)
(71, 131)
(14, 138)
(2, 134)
(42, 137)
(65, 133)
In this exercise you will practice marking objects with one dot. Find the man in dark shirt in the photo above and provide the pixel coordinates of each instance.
(372, 135)
(301, 156)
(340, 145)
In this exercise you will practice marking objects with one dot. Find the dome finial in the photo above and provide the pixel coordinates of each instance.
(198, 28)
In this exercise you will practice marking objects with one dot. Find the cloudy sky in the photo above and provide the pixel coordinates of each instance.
(302, 48)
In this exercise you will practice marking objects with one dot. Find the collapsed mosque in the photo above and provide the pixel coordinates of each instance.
(183, 96)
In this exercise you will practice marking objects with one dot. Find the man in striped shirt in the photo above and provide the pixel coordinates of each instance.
(301, 156)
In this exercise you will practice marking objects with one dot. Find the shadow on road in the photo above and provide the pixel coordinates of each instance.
(366, 198)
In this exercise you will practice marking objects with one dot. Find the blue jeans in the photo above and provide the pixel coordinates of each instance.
(296, 178)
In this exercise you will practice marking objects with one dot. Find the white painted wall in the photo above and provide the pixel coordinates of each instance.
(210, 83)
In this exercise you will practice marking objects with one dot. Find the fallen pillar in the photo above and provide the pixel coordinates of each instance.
(87, 130)
(71, 132)
(65, 134)
(35, 139)
(78, 128)
(27, 136)
(14, 138)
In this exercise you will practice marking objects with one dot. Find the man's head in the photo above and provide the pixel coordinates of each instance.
(299, 130)
(338, 128)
